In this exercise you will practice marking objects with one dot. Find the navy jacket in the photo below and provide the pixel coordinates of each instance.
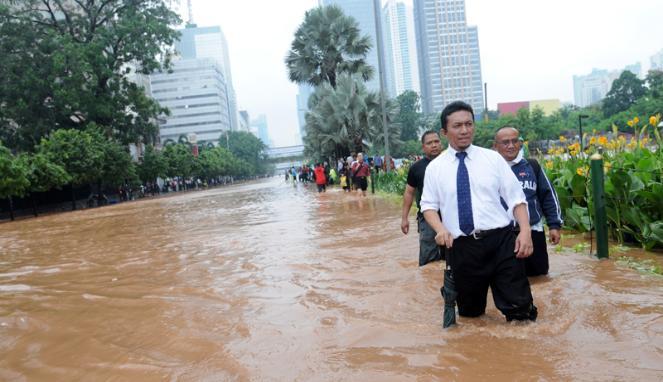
(541, 197)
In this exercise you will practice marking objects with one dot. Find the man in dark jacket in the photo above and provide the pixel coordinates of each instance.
(541, 198)
(428, 249)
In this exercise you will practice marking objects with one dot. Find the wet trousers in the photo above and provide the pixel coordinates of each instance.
(429, 251)
(489, 261)
(537, 264)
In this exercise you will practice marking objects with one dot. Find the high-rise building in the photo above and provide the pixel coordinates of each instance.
(210, 42)
(260, 124)
(244, 121)
(448, 55)
(195, 94)
(593, 87)
(657, 61)
(400, 54)
(363, 12)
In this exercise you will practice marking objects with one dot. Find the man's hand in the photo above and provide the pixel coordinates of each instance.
(405, 225)
(444, 238)
(523, 246)
(555, 235)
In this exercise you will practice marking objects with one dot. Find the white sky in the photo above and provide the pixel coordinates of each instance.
(530, 49)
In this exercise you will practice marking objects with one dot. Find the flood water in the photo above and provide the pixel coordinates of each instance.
(269, 282)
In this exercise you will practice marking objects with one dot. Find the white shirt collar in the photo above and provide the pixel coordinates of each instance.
(517, 160)
(469, 150)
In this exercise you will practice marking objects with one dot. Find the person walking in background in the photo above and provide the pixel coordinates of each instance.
(462, 202)
(541, 198)
(361, 172)
(428, 249)
(320, 177)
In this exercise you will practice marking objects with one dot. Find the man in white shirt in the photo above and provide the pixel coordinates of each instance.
(465, 185)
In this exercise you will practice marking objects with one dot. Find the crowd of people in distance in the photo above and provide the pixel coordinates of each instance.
(351, 173)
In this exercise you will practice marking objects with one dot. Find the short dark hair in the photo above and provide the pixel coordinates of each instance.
(428, 132)
(452, 108)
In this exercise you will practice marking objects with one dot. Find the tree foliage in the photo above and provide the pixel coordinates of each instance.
(43, 174)
(347, 118)
(624, 92)
(409, 116)
(14, 180)
(248, 149)
(66, 64)
(327, 44)
(152, 165)
(76, 151)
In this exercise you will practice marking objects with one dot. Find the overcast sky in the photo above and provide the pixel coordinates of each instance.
(530, 49)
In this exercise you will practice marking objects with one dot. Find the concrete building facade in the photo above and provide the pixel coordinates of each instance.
(196, 95)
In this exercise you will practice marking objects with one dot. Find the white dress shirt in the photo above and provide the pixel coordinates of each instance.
(490, 178)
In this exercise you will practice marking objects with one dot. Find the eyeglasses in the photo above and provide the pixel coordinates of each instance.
(507, 142)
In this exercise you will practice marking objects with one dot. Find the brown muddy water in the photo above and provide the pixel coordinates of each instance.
(270, 282)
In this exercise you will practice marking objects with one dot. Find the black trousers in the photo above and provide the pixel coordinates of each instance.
(490, 262)
(537, 264)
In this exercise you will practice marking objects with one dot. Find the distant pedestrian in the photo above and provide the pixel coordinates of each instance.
(361, 172)
(428, 249)
(320, 178)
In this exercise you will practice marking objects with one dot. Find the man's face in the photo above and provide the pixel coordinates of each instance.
(507, 143)
(460, 129)
(432, 146)
(360, 157)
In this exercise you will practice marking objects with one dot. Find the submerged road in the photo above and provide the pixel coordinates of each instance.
(267, 281)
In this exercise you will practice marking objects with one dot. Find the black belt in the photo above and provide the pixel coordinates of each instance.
(478, 235)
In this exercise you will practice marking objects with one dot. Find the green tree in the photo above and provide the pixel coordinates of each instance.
(43, 175)
(624, 92)
(152, 165)
(13, 178)
(77, 152)
(65, 64)
(327, 44)
(654, 82)
(409, 115)
(180, 160)
(217, 161)
(347, 118)
(247, 148)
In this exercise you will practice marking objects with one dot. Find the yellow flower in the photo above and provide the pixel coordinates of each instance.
(603, 141)
(653, 121)
(549, 164)
(629, 123)
(551, 150)
(636, 120)
(592, 141)
(580, 171)
(607, 166)
(562, 138)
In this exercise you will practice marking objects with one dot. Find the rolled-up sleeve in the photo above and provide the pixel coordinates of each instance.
(430, 197)
(510, 189)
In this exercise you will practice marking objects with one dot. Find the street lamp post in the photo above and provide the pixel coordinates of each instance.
(580, 118)
(378, 31)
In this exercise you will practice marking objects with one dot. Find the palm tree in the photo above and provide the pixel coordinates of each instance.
(326, 44)
(345, 119)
